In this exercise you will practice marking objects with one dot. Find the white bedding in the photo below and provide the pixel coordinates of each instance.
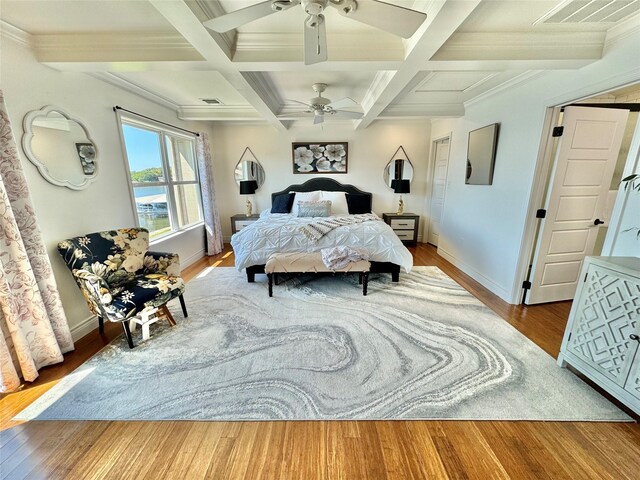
(278, 233)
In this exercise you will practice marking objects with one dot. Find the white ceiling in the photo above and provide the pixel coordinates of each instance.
(160, 50)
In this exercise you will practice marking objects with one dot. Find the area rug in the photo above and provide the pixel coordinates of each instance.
(423, 348)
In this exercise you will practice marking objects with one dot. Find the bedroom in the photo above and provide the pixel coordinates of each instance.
(70, 57)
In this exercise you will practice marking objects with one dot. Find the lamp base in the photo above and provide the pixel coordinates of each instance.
(249, 208)
(400, 206)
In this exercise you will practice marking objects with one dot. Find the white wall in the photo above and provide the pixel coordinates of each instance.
(369, 152)
(105, 204)
(483, 226)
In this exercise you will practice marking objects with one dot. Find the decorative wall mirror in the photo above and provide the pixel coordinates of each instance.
(249, 168)
(60, 147)
(398, 168)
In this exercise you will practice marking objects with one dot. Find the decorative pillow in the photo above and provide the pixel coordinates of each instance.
(304, 197)
(314, 209)
(358, 203)
(282, 203)
(338, 202)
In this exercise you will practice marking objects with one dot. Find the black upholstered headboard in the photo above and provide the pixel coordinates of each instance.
(326, 184)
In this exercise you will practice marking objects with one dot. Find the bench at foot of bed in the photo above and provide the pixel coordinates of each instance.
(376, 267)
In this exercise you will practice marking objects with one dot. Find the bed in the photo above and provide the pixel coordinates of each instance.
(280, 233)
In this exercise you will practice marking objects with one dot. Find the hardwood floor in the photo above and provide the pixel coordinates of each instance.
(320, 449)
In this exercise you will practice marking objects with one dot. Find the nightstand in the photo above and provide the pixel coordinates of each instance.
(405, 226)
(239, 221)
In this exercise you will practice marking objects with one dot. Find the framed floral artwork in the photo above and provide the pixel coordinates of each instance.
(320, 157)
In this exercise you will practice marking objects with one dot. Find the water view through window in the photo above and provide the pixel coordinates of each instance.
(164, 180)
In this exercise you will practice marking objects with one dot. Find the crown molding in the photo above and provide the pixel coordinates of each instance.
(114, 47)
(116, 81)
(219, 113)
(15, 34)
(378, 84)
(264, 87)
(622, 30)
(208, 9)
(423, 110)
(512, 82)
(469, 46)
(488, 75)
(341, 47)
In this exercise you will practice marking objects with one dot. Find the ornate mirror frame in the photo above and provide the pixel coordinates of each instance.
(27, 138)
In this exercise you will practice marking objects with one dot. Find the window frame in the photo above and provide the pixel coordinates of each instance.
(163, 133)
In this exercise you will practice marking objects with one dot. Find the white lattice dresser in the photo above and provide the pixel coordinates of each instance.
(602, 339)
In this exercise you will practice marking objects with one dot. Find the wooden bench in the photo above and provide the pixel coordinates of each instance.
(311, 263)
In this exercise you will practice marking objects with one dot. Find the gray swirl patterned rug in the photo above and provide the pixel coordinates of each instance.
(421, 349)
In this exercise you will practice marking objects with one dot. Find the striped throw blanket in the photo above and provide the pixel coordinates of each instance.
(316, 230)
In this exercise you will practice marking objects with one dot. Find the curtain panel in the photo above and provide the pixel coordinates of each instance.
(35, 332)
(213, 230)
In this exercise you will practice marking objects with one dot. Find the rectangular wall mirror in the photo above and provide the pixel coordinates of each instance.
(481, 155)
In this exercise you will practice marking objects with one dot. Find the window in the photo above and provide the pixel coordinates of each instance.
(164, 177)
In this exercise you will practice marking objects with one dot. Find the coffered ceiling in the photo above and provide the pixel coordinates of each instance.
(465, 49)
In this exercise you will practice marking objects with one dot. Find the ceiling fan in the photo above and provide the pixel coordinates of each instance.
(399, 21)
(320, 106)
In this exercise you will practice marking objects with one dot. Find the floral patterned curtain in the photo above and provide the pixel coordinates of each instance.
(34, 327)
(211, 217)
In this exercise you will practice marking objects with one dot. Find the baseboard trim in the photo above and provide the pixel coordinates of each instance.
(192, 259)
(85, 327)
(476, 275)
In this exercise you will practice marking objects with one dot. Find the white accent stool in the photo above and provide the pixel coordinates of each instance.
(148, 316)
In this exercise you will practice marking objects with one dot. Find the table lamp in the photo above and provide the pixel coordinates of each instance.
(248, 187)
(401, 186)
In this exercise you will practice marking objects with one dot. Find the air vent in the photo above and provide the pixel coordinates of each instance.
(212, 101)
(590, 11)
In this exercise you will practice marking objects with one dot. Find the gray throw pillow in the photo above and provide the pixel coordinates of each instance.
(314, 209)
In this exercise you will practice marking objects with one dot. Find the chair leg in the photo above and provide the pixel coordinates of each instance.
(184, 306)
(270, 277)
(167, 314)
(100, 325)
(127, 333)
(365, 283)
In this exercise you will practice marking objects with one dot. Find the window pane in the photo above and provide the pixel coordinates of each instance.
(181, 158)
(153, 209)
(188, 204)
(143, 152)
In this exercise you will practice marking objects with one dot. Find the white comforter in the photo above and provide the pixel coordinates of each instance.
(277, 233)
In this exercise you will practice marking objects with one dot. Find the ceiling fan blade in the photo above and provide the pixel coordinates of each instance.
(346, 114)
(232, 20)
(318, 119)
(295, 115)
(315, 40)
(400, 21)
(343, 103)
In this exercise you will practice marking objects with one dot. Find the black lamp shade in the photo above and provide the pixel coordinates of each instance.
(401, 186)
(248, 187)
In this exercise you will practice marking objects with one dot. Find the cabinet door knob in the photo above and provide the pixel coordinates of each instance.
(635, 337)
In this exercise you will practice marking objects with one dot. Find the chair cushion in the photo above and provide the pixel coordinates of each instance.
(148, 290)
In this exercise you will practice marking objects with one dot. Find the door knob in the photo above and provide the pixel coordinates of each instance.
(598, 222)
(635, 337)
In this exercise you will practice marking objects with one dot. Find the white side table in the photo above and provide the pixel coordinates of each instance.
(148, 316)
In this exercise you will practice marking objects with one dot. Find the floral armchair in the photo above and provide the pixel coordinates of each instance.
(119, 277)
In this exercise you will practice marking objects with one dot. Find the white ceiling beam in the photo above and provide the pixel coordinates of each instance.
(214, 50)
(443, 19)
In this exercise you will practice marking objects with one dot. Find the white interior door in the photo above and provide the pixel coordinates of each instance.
(576, 200)
(441, 162)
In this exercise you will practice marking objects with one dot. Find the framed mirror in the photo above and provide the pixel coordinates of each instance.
(249, 168)
(60, 147)
(397, 169)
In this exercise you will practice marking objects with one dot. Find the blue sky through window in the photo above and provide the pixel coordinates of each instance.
(143, 148)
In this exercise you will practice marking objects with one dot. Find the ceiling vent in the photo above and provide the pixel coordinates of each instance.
(212, 101)
(590, 11)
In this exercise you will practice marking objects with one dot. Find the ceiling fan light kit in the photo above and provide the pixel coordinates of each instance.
(396, 20)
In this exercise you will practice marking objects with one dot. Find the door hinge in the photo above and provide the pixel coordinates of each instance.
(569, 337)
(557, 131)
(585, 277)
(526, 285)
(541, 213)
